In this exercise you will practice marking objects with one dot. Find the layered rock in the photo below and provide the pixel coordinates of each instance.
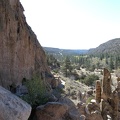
(12, 107)
(98, 91)
(106, 83)
(21, 55)
(107, 103)
(106, 98)
(109, 99)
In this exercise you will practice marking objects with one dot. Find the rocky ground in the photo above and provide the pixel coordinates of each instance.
(70, 100)
(72, 88)
(77, 101)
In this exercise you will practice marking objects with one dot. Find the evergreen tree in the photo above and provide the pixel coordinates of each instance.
(111, 64)
(98, 65)
(67, 68)
(106, 60)
(101, 56)
(116, 62)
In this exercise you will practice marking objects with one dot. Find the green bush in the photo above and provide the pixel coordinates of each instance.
(36, 91)
(89, 99)
(90, 79)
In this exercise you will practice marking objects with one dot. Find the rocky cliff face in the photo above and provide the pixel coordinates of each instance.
(21, 55)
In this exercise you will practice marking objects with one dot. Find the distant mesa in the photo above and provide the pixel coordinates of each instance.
(65, 51)
(111, 47)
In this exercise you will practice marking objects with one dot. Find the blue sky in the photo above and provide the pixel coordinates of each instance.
(73, 24)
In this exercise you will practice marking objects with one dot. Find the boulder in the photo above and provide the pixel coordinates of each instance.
(92, 107)
(90, 92)
(52, 98)
(94, 116)
(82, 96)
(81, 108)
(82, 117)
(118, 79)
(51, 111)
(55, 82)
(12, 107)
(73, 112)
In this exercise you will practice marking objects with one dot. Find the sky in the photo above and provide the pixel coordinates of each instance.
(73, 24)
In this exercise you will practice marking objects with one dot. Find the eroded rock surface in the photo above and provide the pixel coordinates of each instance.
(52, 111)
(110, 99)
(98, 91)
(63, 109)
(21, 55)
(12, 107)
(107, 103)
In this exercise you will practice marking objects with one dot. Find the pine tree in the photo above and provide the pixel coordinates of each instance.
(116, 62)
(106, 60)
(111, 64)
(67, 66)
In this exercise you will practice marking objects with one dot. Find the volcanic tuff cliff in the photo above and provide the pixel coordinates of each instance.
(21, 55)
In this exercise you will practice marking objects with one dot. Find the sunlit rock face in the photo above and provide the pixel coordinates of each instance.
(21, 55)
(12, 107)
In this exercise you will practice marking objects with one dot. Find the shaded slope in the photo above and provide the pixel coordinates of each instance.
(111, 47)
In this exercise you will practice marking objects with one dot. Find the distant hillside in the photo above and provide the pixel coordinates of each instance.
(64, 51)
(111, 47)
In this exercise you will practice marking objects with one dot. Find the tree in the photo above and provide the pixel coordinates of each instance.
(116, 62)
(67, 68)
(111, 64)
(52, 61)
(87, 63)
(98, 65)
(36, 91)
(90, 79)
(101, 56)
(81, 60)
(106, 61)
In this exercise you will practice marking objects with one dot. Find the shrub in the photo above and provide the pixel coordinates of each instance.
(56, 70)
(36, 91)
(89, 99)
(90, 79)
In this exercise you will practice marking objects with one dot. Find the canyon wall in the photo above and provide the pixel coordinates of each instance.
(21, 55)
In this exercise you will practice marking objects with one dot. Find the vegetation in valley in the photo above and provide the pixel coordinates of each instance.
(36, 91)
(72, 63)
(77, 69)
